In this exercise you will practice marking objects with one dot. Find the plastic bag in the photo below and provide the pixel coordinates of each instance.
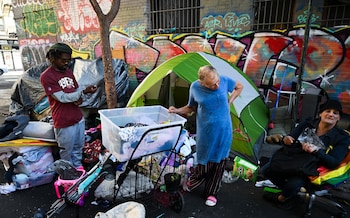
(309, 136)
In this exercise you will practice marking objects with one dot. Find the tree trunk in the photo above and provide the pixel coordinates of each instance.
(110, 86)
(105, 21)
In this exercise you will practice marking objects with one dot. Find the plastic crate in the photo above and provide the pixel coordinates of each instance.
(124, 142)
(22, 181)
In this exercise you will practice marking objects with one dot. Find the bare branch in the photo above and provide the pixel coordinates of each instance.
(113, 11)
(97, 8)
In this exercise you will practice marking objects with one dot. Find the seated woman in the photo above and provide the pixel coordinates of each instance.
(330, 149)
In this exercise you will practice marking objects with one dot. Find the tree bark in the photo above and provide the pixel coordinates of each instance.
(105, 21)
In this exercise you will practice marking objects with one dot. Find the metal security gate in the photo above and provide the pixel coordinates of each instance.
(174, 16)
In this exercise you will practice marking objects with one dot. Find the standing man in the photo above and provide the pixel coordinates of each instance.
(64, 96)
(209, 98)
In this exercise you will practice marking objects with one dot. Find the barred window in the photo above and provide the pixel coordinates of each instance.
(335, 13)
(273, 14)
(174, 16)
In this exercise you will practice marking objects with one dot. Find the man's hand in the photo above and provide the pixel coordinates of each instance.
(79, 101)
(310, 148)
(90, 89)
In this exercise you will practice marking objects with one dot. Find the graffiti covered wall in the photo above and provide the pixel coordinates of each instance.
(269, 58)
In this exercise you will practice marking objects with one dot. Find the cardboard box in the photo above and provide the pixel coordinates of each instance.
(244, 169)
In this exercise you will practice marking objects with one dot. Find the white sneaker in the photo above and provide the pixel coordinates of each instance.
(211, 201)
(265, 183)
(7, 188)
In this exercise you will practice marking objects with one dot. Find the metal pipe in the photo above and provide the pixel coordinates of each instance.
(302, 62)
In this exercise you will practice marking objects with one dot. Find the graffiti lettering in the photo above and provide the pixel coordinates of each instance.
(302, 19)
(230, 22)
(78, 16)
(34, 42)
(22, 3)
(40, 22)
(34, 51)
(136, 31)
(70, 37)
(211, 23)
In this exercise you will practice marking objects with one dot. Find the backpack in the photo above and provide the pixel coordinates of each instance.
(293, 160)
(12, 128)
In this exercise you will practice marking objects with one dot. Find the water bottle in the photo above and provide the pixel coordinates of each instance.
(228, 177)
(39, 213)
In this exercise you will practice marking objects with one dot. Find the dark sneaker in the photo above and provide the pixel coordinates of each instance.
(271, 197)
(290, 203)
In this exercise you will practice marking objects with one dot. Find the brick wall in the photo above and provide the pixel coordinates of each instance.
(131, 12)
(226, 32)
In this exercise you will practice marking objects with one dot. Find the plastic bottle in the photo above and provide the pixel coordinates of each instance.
(228, 177)
(39, 213)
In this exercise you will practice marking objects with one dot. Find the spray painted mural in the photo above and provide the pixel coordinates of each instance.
(270, 59)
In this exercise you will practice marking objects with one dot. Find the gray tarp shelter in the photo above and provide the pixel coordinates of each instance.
(28, 91)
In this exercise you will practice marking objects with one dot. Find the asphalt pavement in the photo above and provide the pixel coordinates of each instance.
(237, 199)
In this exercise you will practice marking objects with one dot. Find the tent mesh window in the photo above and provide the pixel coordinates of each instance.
(273, 14)
(174, 16)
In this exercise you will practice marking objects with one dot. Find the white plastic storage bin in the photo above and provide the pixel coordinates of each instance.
(122, 129)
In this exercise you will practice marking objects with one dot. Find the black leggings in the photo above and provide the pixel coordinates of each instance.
(290, 185)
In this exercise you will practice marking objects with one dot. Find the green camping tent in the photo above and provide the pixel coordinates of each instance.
(249, 114)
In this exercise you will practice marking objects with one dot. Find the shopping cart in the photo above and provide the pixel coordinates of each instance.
(146, 158)
(153, 179)
(145, 139)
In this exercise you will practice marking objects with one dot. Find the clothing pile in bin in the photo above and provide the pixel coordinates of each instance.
(25, 165)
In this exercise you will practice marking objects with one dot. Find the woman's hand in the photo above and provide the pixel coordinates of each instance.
(185, 110)
(172, 109)
(308, 147)
(288, 140)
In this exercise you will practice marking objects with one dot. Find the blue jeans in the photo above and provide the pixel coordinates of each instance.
(289, 184)
(71, 142)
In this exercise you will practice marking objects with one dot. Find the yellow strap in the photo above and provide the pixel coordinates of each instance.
(329, 149)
